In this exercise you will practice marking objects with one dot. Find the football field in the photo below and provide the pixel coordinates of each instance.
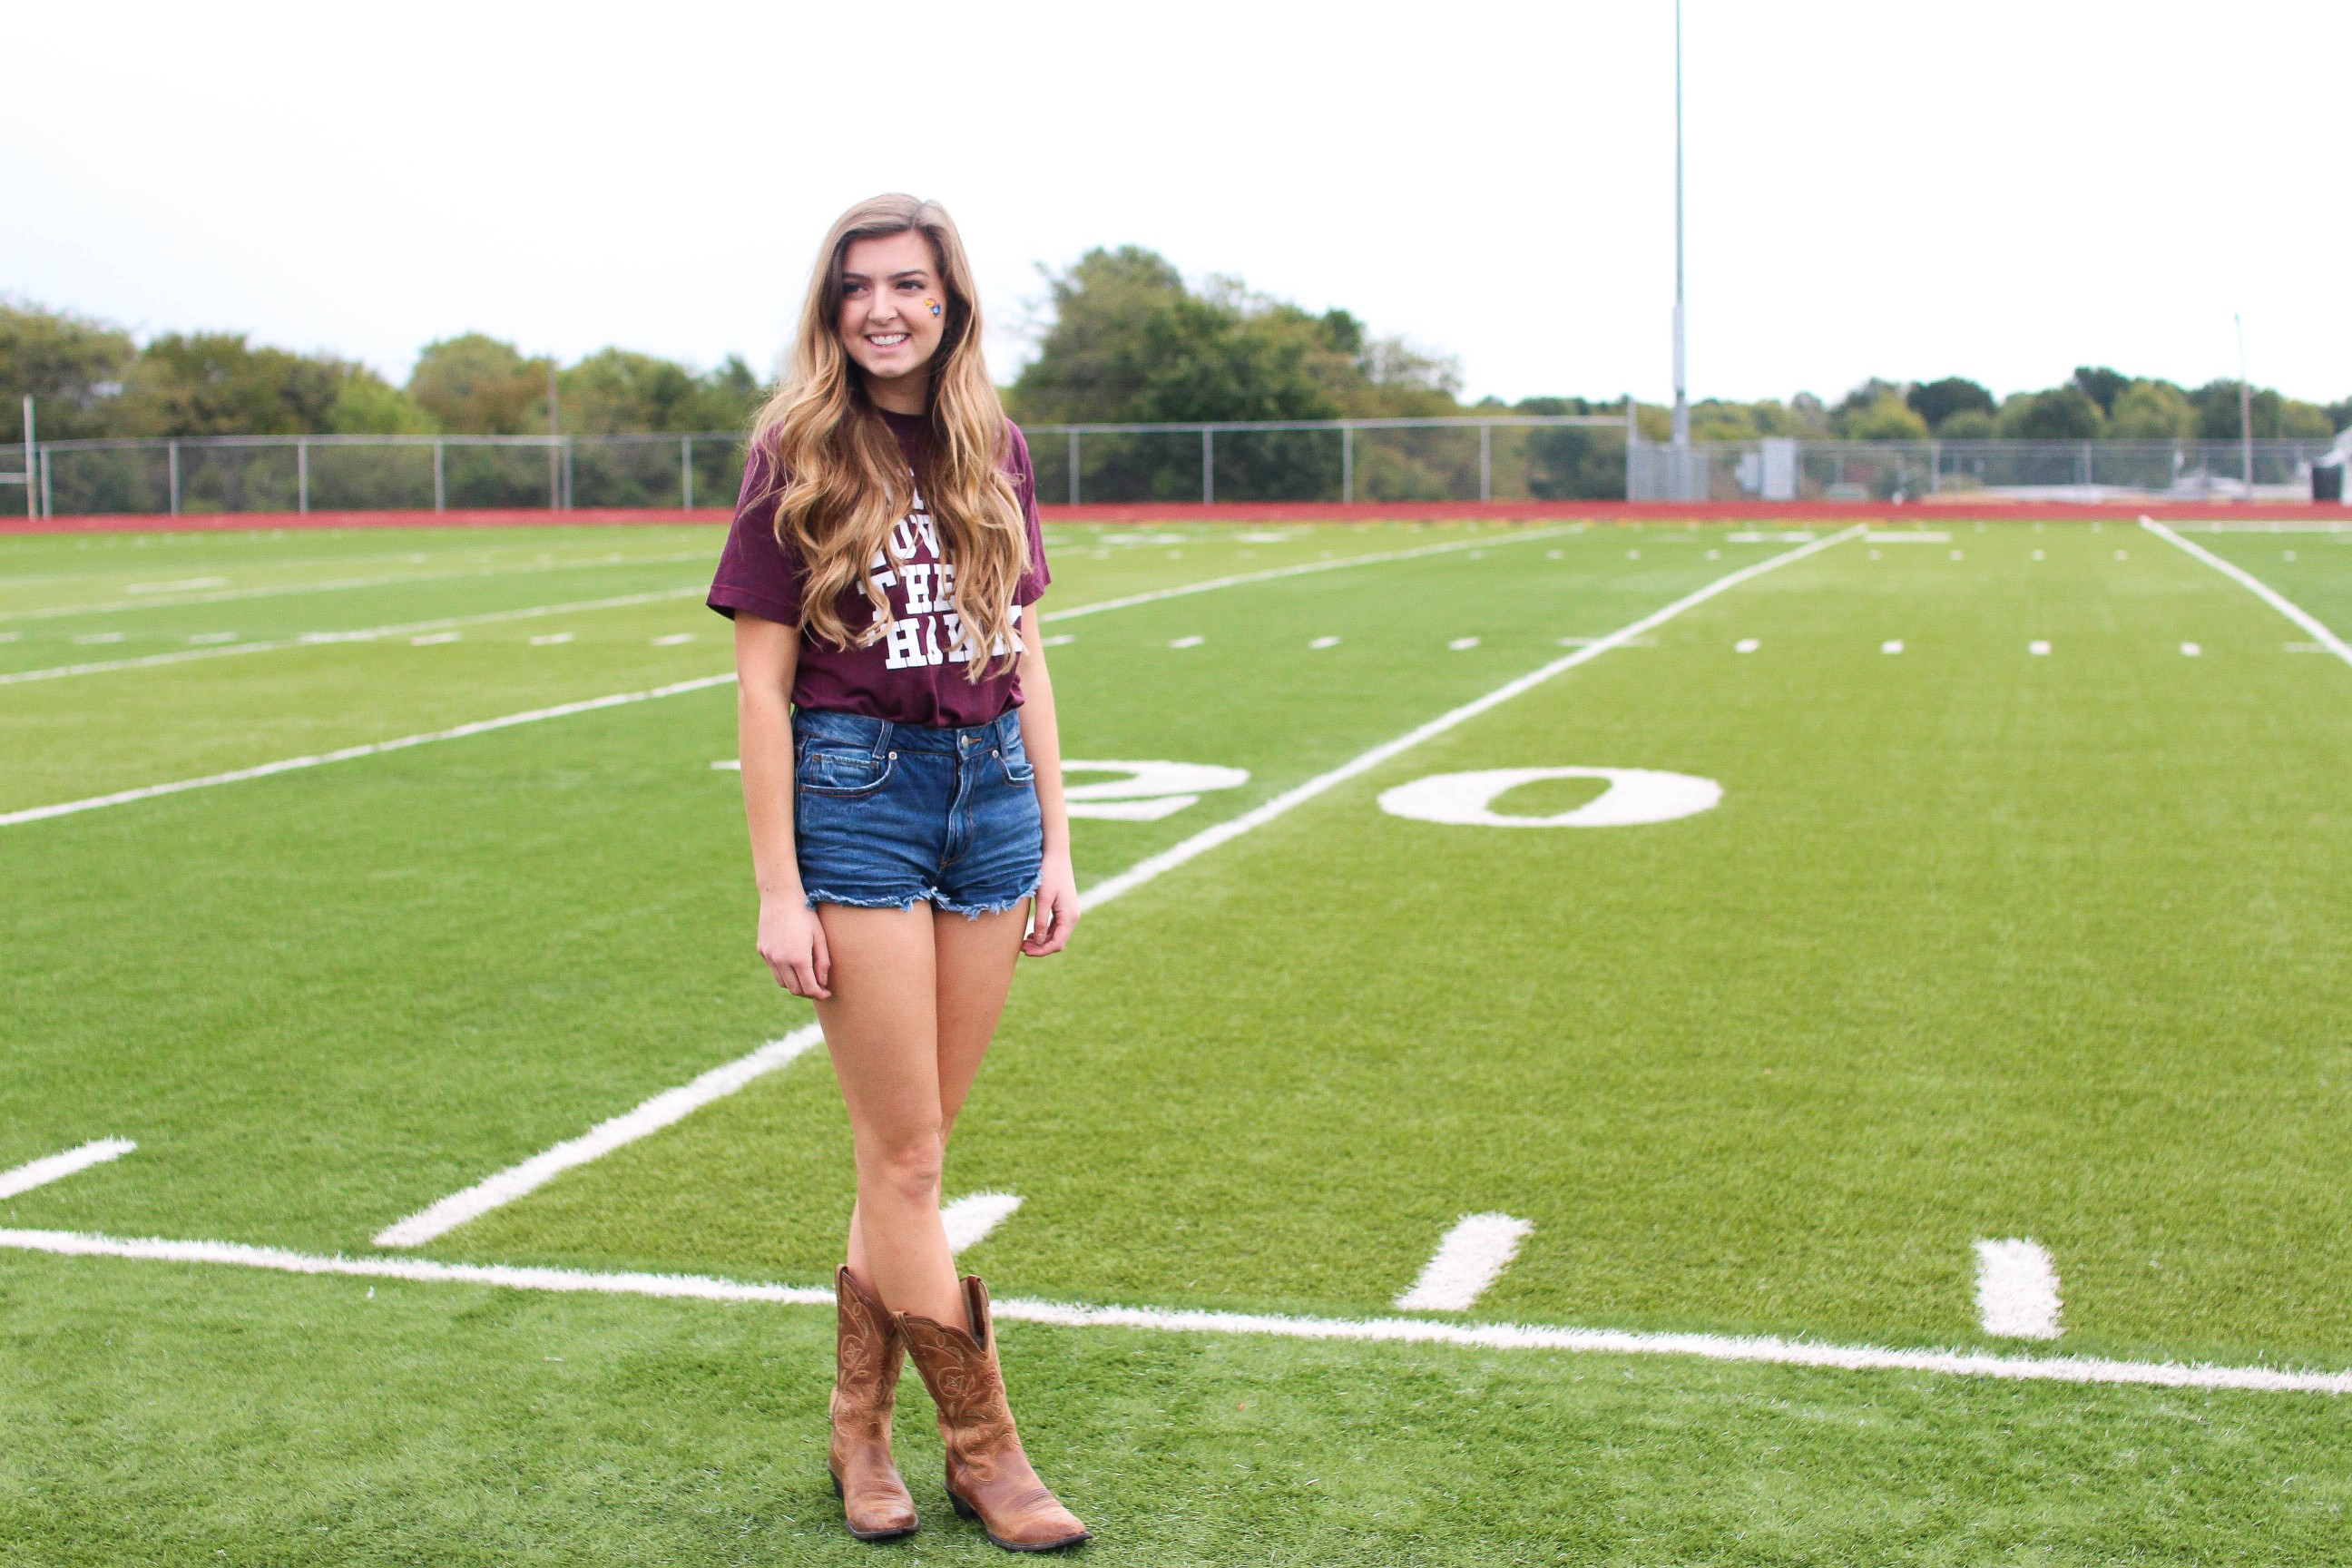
(1611, 1043)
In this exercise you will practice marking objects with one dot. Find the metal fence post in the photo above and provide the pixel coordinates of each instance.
(174, 465)
(301, 475)
(49, 502)
(555, 475)
(1074, 468)
(1485, 462)
(1208, 466)
(686, 468)
(440, 480)
(1634, 440)
(1347, 464)
(33, 507)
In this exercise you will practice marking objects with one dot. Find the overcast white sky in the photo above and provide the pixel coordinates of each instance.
(2000, 190)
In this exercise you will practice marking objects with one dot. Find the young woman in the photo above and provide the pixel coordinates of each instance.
(902, 775)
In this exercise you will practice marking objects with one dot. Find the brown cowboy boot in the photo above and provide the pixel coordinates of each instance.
(989, 1475)
(868, 1353)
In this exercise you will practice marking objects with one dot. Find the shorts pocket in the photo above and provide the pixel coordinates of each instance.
(842, 772)
(1013, 758)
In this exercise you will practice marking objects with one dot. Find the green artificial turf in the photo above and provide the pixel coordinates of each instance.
(166, 1416)
(1979, 944)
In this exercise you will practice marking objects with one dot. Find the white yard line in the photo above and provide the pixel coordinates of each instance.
(291, 765)
(365, 634)
(41, 1173)
(230, 595)
(970, 1219)
(1754, 1349)
(1200, 843)
(1209, 584)
(1468, 1260)
(2017, 1290)
(2260, 589)
(660, 1111)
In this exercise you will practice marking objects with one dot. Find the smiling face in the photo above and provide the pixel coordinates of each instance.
(893, 315)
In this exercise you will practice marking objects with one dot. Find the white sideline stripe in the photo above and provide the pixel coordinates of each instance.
(322, 640)
(2260, 589)
(660, 1111)
(1224, 832)
(1758, 1349)
(970, 1219)
(2017, 1290)
(1303, 568)
(41, 1173)
(1468, 1260)
(283, 590)
(290, 765)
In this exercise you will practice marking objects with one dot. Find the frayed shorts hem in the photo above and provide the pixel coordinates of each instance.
(970, 910)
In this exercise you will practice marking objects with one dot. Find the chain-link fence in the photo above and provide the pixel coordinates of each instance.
(385, 473)
(1498, 457)
(2052, 471)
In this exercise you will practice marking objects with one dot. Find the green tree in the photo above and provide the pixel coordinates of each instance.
(1889, 419)
(2152, 411)
(368, 404)
(217, 383)
(2275, 416)
(614, 390)
(1128, 341)
(2061, 413)
(1937, 401)
(1968, 424)
(71, 366)
(2100, 385)
(476, 385)
(726, 399)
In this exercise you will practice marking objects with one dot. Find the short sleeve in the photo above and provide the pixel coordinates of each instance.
(1032, 586)
(757, 572)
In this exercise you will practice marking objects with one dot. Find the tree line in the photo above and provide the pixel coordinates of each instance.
(90, 378)
(1123, 337)
(2097, 403)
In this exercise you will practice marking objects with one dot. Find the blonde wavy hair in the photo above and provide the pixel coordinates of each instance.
(841, 479)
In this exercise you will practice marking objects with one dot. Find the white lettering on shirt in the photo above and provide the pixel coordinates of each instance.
(913, 637)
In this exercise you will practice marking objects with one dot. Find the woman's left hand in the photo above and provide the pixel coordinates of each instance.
(1055, 912)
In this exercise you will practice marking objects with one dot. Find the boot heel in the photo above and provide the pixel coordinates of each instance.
(963, 1510)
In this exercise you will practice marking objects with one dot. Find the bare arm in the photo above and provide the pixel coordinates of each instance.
(1041, 737)
(791, 938)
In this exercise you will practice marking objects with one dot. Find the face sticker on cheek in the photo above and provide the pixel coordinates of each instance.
(934, 304)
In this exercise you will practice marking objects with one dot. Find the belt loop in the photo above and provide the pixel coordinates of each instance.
(882, 740)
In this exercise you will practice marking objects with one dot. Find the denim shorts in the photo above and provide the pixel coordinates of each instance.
(887, 817)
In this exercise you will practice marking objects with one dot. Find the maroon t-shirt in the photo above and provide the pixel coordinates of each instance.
(913, 674)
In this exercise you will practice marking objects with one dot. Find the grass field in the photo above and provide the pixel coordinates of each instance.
(1979, 944)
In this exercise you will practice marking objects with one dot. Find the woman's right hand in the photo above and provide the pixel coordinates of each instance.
(792, 939)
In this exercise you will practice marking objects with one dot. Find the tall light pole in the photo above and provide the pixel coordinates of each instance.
(1681, 386)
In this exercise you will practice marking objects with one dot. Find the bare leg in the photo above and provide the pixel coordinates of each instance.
(882, 1028)
(972, 971)
(974, 961)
